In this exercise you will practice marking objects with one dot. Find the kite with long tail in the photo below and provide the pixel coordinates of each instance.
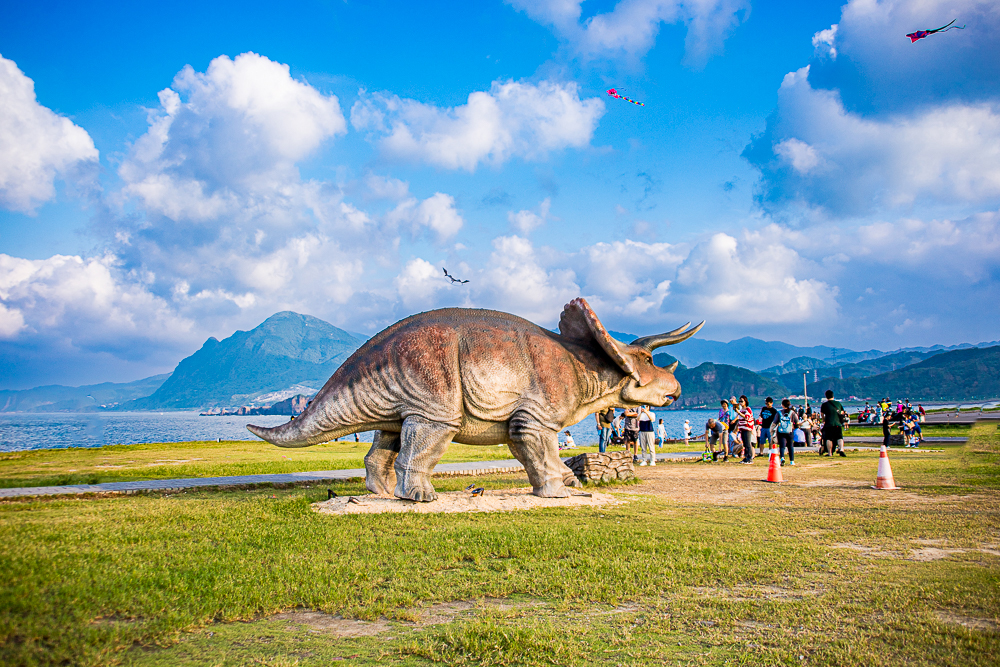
(614, 93)
(920, 34)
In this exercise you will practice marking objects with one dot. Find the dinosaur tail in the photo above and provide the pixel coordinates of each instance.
(303, 431)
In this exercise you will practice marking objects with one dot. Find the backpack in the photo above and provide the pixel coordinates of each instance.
(785, 422)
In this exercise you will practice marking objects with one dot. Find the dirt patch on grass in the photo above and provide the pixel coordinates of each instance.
(445, 612)
(748, 593)
(335, 625)
(929, 551)
(434, 614)
(928, 554)
(970, 622)
(871, 552)
(463, 501)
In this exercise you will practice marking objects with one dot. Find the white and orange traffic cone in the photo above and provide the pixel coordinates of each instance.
(774, 467)
(883, 479)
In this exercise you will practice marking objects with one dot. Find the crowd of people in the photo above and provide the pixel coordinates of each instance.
(635, 428)
(740, 431)
(736, 431)
(903, 416)
(875, 414)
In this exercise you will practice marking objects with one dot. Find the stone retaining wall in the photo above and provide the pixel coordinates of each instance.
(606, 467)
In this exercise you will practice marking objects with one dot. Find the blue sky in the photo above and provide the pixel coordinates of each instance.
(171, 173)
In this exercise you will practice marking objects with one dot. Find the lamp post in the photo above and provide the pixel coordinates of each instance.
(805, 392)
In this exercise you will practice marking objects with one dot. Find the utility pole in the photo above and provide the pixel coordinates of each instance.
(805, 392)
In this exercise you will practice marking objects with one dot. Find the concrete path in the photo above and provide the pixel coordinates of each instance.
(939, 439)
(322, 476)
(317, 476)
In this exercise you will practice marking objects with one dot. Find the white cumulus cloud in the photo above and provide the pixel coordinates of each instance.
(850, 164)
(631, 27)
(88, 302)
(36, 145)
(437, 213)
(753, 281)
(419, 283)
(512, 119)
(825, 41)
(520, 281)
(227, 140)
(799, 154)
(526, 221)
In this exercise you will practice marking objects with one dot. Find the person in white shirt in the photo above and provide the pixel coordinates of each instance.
(570, 443)
(687, 432)
(661, 433)
(646, 435)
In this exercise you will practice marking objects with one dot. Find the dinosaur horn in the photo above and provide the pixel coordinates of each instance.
(678, 335)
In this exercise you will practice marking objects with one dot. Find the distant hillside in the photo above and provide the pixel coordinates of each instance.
(288, 353)
(89, 398)
(963, 375)
(797, 365)
(708, 383)
(886, 364)
(754, 353)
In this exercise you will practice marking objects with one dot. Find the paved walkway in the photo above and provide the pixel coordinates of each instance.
(939, 439)
(321, 476)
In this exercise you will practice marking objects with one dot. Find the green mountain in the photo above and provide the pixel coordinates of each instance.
(962, 375)
(88, 398)
(288, 352)
(797, 365)
(708, 383)
(886, 364)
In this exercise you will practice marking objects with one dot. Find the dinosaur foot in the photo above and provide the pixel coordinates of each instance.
(419, 490)
(552, 489)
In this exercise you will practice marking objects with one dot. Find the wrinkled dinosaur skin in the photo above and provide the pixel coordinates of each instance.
(477, 377)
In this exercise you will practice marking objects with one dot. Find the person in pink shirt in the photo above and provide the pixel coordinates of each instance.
(747, 423)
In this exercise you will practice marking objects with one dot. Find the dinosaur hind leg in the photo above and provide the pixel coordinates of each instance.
(537, 448)
(380, 477)
(423, 444)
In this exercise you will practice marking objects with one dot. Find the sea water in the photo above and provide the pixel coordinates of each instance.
(31, 430)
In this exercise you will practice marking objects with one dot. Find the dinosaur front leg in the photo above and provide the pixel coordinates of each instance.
(380, 477)
(423, 444)
(537, 448)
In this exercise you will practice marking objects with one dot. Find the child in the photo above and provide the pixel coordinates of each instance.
(570, 443)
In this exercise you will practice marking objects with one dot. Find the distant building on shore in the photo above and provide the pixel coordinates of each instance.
(290, 406)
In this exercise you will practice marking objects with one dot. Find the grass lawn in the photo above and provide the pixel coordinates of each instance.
(704, 564)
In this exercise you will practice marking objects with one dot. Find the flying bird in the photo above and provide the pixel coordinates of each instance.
(452, 278)
(920, 34)
(614, 93)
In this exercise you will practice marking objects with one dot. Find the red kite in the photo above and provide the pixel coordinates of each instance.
(920, 34)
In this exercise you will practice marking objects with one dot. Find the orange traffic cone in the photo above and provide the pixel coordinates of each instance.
(774, 467)
(883, 479)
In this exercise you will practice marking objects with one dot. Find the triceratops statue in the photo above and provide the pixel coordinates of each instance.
(479, 377)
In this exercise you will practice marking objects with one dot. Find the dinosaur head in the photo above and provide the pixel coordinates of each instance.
(648, 384)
